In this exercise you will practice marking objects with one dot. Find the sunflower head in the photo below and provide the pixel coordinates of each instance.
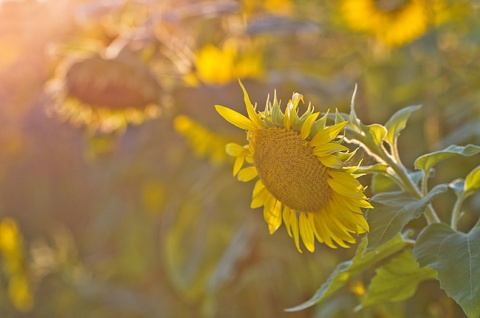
(104, 93)
(391, 22)
(303, 180)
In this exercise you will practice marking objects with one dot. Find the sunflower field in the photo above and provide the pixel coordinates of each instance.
(240, 158)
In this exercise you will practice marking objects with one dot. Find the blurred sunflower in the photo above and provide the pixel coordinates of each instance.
(218, 66)
(203, 141)
(392, 22)
(12, 252)
(303, 179)
(105, 94)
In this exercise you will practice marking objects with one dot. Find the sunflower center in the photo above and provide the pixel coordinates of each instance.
(289, 169)
(390, 5)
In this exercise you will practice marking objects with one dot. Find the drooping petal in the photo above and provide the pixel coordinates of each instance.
(235, 118)
(294, 225)
(238, 165)
(247, 174)
(306, 232)
(286, 220)
(273, 216)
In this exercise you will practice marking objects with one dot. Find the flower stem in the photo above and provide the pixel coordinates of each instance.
(406, 182)
(456, 212)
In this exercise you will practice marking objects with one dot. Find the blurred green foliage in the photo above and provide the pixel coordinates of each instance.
(128, 220)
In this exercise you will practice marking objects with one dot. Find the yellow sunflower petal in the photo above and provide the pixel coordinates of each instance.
(250, 110)
(247, 174)
(345, 178)
(286, 220)
(307, 125)
(238, 165)
(260, 198)
(273, 216)
(234, 150)
(235, 118)
(328, 148)
(306, 232)
(331, 161)
(321, 231)
(327, 134)
(344, 189)
(294, 225)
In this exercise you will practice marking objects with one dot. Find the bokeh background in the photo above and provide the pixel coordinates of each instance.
(116, 196)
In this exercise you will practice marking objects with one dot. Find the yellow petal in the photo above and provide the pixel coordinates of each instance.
(234, 150)
(238, 165)
(250, 110)
(286, 220)
(307, 125)
(328, 148)
(344, 189)
(294, 225)
(331, 161)
(260, 198)
(247, 174)
(273, 216)
(327, 134)
(306, 232)
(235, 118)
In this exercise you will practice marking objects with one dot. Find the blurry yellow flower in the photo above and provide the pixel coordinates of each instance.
(203, 141)
(105, 93)
(303, 180)
(392, 22)
(270, 6)
(10, 240)
(221, 65)
(20, 293)
(11, 249)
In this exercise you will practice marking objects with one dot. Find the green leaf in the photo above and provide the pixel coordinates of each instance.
(374, 133)
(456, 258)
(345, 271)
(393, 211)
(398, 122)
(398, 280)
(381, 183)
(458, 186)
(472, 182)
(427, 161)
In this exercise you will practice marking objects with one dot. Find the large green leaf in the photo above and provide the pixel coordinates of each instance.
(398, 122)
(398, 280)
(393, 210)
(456, 258)
(427, 161)
(345, 271)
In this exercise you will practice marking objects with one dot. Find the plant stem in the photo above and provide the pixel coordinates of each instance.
(456, 212)
(407, 183)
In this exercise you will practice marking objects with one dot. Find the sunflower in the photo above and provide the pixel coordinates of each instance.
(392, 22)
(202, 140)
(220, 65)
(104, 93)
(303, 180)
